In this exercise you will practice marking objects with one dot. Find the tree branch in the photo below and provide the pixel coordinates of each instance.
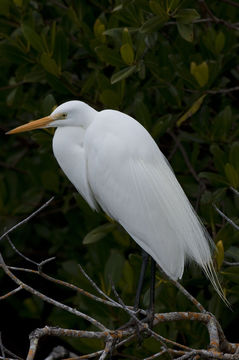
(26, 219)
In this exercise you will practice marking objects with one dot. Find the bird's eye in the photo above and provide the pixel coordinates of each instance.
(64, 115)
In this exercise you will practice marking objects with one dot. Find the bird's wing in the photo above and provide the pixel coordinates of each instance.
(133, 183)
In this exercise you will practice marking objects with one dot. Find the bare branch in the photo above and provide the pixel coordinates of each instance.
(223, 91)
(228, 263)
(187, 161)
(156, 355)
(234, 190)
(59, 352)
(215, 19)
(226, 217)
(2, 348)
(185, 292)
(11, 293)
(24, 221)
(107, 349)
(48, 299)
(96, 287)
(230, 2)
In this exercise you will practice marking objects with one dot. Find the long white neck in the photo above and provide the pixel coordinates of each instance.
(68, 148)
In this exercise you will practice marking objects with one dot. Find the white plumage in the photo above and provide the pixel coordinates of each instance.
(115, 164)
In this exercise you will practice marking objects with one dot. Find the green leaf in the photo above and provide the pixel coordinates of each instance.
(114, 267)
(222, 124)
(200, 72)
(219, 254)
(110, 99)
(4, 7)
(193, 109)
(98, 233)
(61, 48)
(49, 64)
(213, 178)
(186, 31)
(187, 16)
(50, 180)
(48, 104)
(108, 55)
(152, 24)
(11, 53)
(219, 42)
(232, 175)
(219, 157)
(33, 38)
(18, 3)
(128, 277)
(126, 37)
(37, 74)
(127, 53)
(122, 74)
(99, 29)
(157, 9)
(234, 156)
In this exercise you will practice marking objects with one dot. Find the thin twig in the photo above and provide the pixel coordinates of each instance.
(11, 293)
(215, 19)
(223, 91)
(1, 347)
(234, 190)
(142, 325)
(185, 292)
(19, 253)
(226, 217)
(107, 349)
(48, 299)
(156, 355)
(229, 263)
(230, 2)
(187, 161)
(26, 219)
(96, 287)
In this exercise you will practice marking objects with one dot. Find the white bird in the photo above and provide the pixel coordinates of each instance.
(116, 165)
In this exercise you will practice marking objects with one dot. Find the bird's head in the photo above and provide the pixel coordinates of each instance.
(71, 113)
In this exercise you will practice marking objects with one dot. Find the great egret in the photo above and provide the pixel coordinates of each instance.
(115, 164)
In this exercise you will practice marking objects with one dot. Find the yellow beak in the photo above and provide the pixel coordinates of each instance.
(32, 125)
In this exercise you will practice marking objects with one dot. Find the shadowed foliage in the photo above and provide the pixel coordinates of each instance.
(173, 65)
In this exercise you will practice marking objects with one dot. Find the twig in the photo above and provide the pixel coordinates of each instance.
(230, 2)
(223, 91)
(230, 263)
(215, 19)
(142, 325)
(187, 161)
(155, 355)
(107, 349)
(226, 217)
(59, 352)
(1, 347)
(234, 190)
(66, 284)
(185, 292)
(18, 252)
(48, 299)
(11, 354)
(26, 219)
(96, 287)
(11, 293)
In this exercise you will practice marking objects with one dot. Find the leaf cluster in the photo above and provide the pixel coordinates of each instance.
(160, 62)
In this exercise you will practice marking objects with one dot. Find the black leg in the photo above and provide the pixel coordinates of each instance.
(145, 257)
(152, 293)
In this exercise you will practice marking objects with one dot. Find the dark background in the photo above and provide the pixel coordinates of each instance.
(147, 59)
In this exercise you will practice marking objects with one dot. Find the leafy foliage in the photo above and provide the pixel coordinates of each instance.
(156, 61)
